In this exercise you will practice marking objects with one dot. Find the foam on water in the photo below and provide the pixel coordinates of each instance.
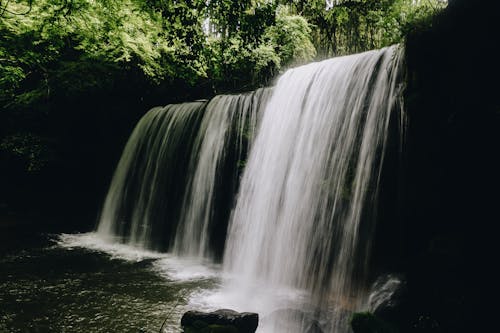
(185, 268)
(165, 264)
(93, 241)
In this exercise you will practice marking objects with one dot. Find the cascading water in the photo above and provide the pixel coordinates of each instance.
(225, 134)
(306, 206)
(143, 203)
(175, 182)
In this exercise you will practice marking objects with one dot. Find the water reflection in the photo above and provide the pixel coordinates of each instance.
(54, 285)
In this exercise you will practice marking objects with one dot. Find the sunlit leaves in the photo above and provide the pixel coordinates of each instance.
(291, 37)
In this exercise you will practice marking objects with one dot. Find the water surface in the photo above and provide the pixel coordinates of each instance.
(67, 283)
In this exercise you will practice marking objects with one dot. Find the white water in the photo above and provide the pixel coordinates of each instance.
(165, 264)
(228, 118)
(383, 292)
(115, 250)
(148, 181)
(180, 163)
(306, 206)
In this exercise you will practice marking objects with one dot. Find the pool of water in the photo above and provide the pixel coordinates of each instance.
(80, 283)
(76, 283)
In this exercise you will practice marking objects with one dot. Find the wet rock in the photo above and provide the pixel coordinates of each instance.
(387, 296)
(220, 321)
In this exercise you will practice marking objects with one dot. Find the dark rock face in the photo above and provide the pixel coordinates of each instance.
(365, 322)
(451, 173)
(223, 320)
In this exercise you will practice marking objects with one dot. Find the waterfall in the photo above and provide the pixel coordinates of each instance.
(222, 142)
(142, 204)
(174, 185)
(282, 184)
(307, 203)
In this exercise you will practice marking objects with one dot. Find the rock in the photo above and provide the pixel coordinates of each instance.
(220, 321)
(386, 296)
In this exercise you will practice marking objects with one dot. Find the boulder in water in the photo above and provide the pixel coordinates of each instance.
(220, 321)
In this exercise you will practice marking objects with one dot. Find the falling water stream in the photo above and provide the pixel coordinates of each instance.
(178, 173)
(306, 207)
(227, 128)
(143, 199)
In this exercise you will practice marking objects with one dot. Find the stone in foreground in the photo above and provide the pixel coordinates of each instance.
(220, 321)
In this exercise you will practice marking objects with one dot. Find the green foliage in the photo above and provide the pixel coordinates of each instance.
(350, 26)
(237, 65)
(406, 15)
(59, 38)
(30, 148)
(279, 39)
(291, 38)
(244, 57)
(162, 41)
